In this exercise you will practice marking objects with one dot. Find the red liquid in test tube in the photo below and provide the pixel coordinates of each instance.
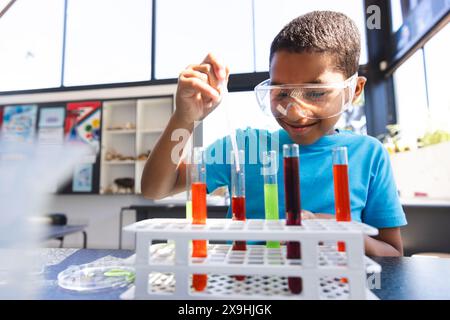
(238, 198)
(199, 214)
(293, 207)
(341, 188)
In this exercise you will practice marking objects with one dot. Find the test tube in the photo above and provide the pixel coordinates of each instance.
(199, 212)
(293, 205)
(188, 192)
(238, 196)
(270, 169)
(341, 188)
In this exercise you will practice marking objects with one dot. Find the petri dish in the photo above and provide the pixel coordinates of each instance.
(94, 277)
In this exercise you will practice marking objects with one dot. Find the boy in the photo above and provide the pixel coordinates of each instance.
(320, 47)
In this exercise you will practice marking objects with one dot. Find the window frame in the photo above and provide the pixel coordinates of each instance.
(381, 108)
(238, 82)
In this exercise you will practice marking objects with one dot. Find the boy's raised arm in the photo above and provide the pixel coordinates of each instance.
(198, 94)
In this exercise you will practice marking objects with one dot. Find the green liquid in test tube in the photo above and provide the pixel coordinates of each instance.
(189, 210)
(271, 190)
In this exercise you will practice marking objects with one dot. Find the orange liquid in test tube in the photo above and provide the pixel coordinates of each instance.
(199, 212)
(199, 247)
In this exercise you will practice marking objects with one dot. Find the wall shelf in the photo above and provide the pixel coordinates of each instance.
(120, 131)
(151, 130)
(129, 162)
(149, 116)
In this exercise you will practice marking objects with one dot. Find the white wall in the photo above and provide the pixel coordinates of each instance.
(424, 170)
(101, 214)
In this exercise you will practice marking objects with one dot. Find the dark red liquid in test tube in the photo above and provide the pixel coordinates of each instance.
(293, 207)
(238, 209)
(238, 197)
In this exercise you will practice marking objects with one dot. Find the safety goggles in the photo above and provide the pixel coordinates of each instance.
(308, 100)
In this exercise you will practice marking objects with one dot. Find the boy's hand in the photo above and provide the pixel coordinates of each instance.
(307, 215)
(199, 89)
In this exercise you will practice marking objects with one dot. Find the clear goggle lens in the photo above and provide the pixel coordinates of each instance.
(312, 101)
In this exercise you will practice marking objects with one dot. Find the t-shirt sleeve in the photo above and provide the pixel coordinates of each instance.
(383, 208)
(217, 171)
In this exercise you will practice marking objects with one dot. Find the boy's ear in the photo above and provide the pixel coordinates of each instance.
(360, 83)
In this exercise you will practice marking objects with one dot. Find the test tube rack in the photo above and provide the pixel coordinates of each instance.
(164, 270)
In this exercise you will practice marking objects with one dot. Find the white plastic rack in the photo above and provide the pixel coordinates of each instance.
(164, 271)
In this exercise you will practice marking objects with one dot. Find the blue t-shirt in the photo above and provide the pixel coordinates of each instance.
(373, 192)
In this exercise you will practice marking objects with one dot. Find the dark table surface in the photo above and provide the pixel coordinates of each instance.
(54, 231)
(401, 278)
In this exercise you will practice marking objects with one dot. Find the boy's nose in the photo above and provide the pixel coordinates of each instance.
(295, 112)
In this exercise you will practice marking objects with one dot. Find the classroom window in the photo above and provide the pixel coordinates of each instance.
(187, 30)
(396, 15)
(271, 16)
(110, 41)
(107, 41)
(420, 88)
(411, 97)
(31, 34)
(436, 63)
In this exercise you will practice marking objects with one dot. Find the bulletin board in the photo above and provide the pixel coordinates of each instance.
(57, 123)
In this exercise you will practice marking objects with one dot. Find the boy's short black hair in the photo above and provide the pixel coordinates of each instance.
(322, 32)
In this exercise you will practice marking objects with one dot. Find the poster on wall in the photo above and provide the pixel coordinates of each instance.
(51, 135)
(82, 178)
(83, 122)
(51, 125)
(19, 123)
(51, 117)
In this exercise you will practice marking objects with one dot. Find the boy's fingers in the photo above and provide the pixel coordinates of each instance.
(207, 69)
(204, 67)
(203, 76)
(212, 78)
(307, 215)
(195, 74)
(227, 70)
(219, 69)
(205, 89)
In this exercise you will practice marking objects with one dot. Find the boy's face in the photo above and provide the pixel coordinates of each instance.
(298, 68)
